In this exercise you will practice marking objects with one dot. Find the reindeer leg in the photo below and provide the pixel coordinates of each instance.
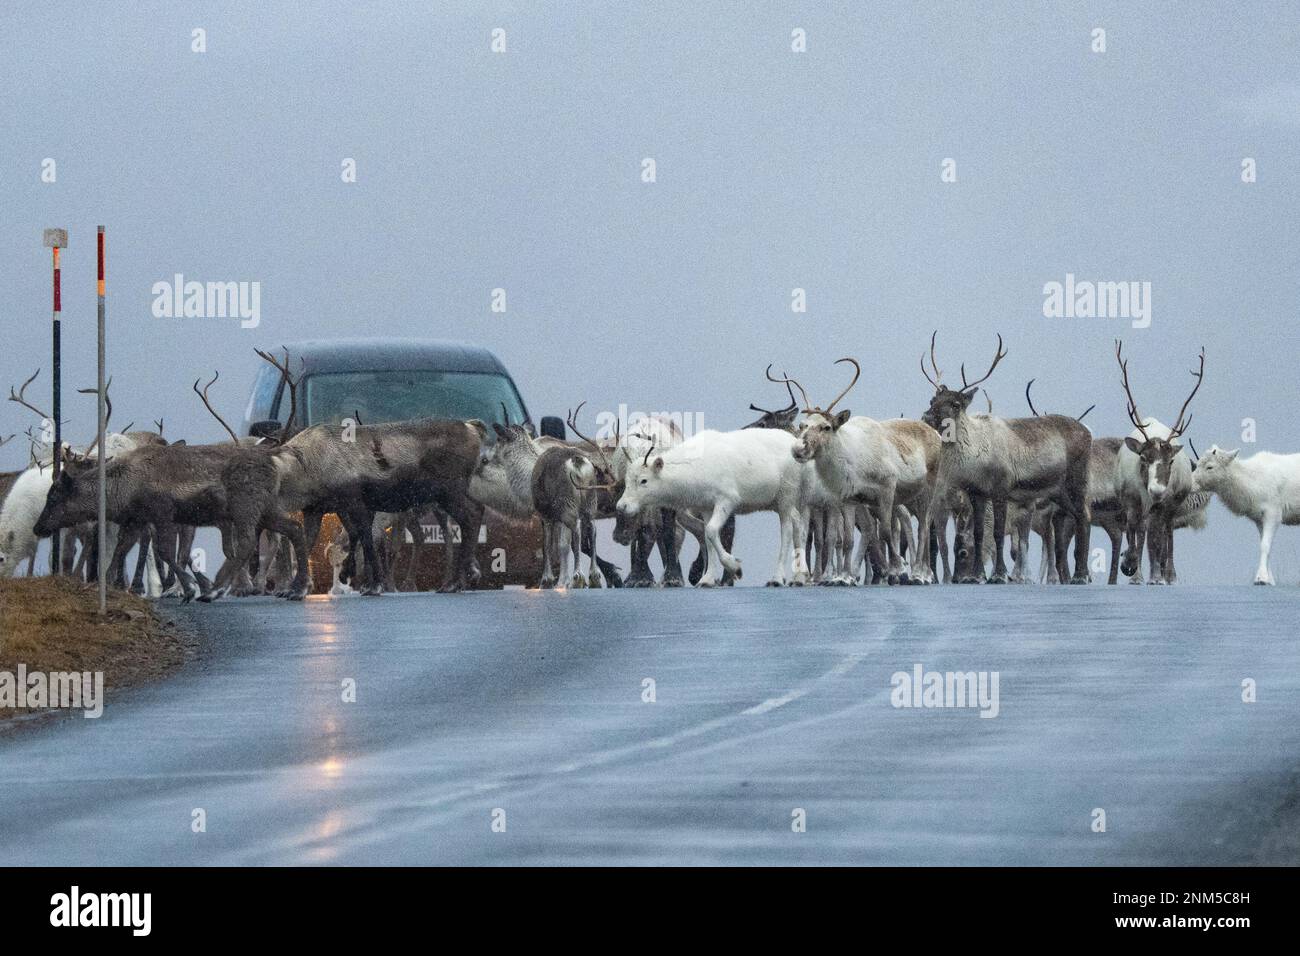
(284, 525)
(668, 548)
(593, 562)
(788, 526)
(638, 552)
(977, 532)
(548, 578)
(999, 532)
(719, 558)
(165, 529)
(1116, 538)
(141, 560)
(359, 522)
(1155, 543)
(727, 539)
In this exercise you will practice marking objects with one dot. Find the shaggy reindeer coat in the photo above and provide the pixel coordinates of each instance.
(230, 486)
(396, 466)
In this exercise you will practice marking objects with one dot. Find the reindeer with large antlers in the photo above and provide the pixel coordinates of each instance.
(999, 460)
(877, 463)
(1155, 478)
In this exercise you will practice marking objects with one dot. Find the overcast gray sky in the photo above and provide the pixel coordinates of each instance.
(776, 170)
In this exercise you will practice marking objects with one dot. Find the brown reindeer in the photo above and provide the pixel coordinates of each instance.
(998, 460)
(1156, 478)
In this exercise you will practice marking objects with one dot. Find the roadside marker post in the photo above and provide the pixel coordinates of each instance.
(57, 239)
(102, 535)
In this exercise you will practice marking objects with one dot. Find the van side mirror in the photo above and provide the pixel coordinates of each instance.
(268, 428)
(553, 427)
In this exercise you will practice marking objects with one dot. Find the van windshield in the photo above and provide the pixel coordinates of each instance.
(395, 396)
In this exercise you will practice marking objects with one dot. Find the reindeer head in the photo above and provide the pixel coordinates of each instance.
(781, 418)
(72, 499)
(819, 425)
(1215, 468)
(949, 405)
(642, 484)
(1156, 454)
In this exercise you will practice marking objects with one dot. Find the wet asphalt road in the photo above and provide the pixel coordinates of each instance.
(1126, 699)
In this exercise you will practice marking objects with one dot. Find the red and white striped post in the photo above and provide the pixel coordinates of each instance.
(57, 239)
(102, 535)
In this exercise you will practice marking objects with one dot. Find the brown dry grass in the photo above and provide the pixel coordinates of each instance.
(53, 624)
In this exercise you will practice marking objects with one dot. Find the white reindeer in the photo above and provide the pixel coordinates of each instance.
(720, 474)
(1264, 488)
(878, 463)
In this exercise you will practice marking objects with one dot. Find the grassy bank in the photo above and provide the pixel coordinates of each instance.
(53, 624)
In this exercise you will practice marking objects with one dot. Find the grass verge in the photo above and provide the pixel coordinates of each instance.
(53, 624)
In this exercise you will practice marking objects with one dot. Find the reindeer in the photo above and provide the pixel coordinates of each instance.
(876, 463)
(664, 528)
(1155, 479)
(230, 486)
(721, 474)
(1000, 460)
(22, 507)
(1264, 488)
(828, 522)
(564, 485)
(1105, 502)
(503, 481)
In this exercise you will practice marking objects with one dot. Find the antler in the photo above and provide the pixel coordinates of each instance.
(857, 373)
(1132, 409)
(998, 357)
(1180, 426)
(108, 410)
(1196, 456)
(1085, 412)
(572, 422)
(204, 395)
(159, 423)
(938, 375)
(21, 396)
(291, 382)
(793, 404)
(5, 441)
(1030, 400)
(788, 382)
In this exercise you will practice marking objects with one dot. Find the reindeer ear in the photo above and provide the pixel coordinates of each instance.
(658, 465)
(1231, 455)
(968, 395)
(1133, 445)
(842, 417)
(501, 432)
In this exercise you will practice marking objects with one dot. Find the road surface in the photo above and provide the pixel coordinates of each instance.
(513, 727)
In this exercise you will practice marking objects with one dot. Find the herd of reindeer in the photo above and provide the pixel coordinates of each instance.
(859, 500)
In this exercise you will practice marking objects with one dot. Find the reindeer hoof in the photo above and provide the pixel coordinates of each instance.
(707, 583)
(774, 583)
(998, 579)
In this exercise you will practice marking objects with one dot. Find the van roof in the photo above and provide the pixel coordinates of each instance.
(370, 354)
